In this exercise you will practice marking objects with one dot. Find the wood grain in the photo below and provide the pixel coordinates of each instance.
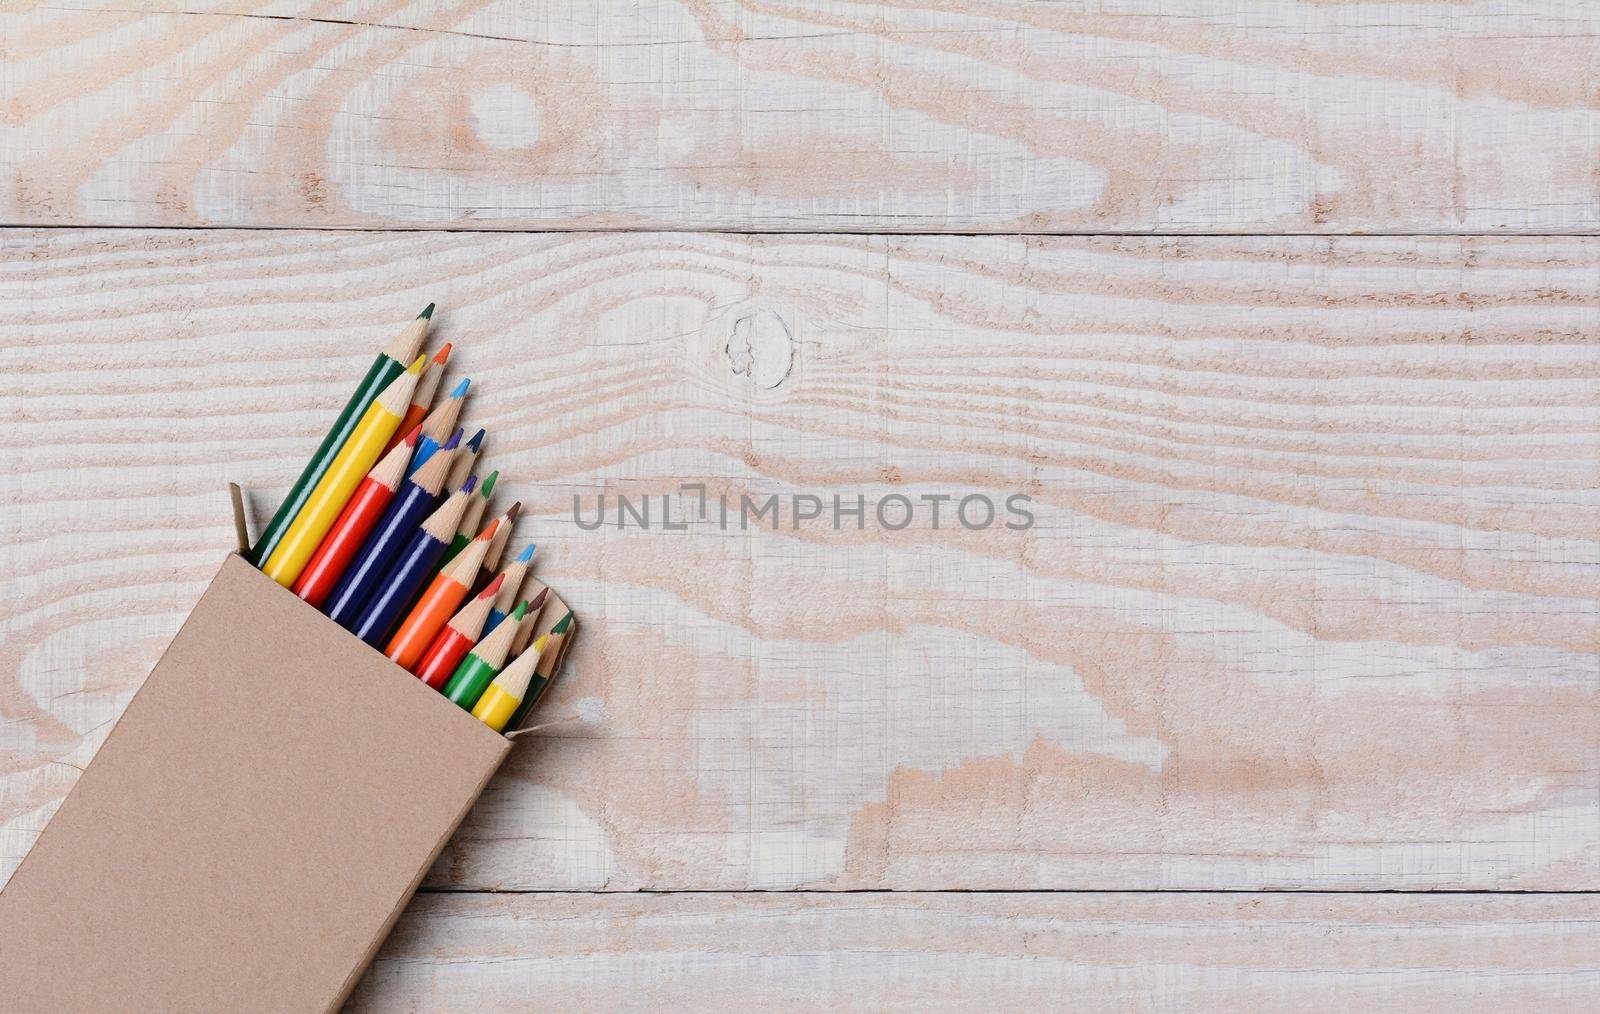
(1311, 599)
(934, 116)
(1008, 952)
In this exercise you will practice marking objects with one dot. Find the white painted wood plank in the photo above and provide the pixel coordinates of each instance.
(1311, 600)
(1128, 115)
(922, 952)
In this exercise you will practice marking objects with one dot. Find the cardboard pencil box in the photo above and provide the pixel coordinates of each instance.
(253, 826)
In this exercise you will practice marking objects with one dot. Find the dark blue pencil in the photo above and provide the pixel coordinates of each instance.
(412, 568)
(415, 499)
(466, 457)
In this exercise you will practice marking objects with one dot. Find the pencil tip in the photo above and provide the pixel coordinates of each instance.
(476, 443)
(427, 313)
(472, 481)
(417, 364)
(488, 484)
(514, 510)
(492, 587)
(519, 612)
(412, 437)
(453, 442)
(526, 554)
(461, 388)
(561, 628)
(538, 600)
(443, 355)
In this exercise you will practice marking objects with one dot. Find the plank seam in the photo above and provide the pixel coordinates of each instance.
(1106, 891)
(685, 230)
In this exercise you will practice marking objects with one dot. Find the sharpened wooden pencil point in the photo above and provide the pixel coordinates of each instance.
(532, 610)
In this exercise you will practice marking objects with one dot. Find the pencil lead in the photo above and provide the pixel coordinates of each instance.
(493, 587)
(416, 367)
(561, 627)
(453, 442)
(476, 443)
(488, 484)
(412, 437)
(443, 355)
(427, 313)
(513, 511)
(538, 600)
(526, 554)
(461, 388)
(472, 481)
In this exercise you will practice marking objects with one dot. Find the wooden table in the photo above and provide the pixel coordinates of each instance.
(1283, 315)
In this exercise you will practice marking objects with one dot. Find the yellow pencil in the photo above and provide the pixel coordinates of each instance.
(510, 686)
(349, 467)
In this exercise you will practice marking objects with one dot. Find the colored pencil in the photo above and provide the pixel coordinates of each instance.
(354, 460)
(471, 519)
(452, 643)
(439, 424)
(466, 459)
(544, 672)
(406, 576)
(389, 364)
(411, 506)
(355, 523)
(475, 672)
(509, 688)
(510, 587)
(530, 610)
(440, 599)
(422, 397)
(502, 535)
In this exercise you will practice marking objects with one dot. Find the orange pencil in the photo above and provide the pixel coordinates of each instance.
(457, 638)
(442, 598)
(422, 397)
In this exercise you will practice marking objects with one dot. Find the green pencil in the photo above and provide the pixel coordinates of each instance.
(544, 672)
(473, 676)
(391, 362)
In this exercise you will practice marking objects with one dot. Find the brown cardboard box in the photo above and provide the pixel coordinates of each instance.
(253, 826)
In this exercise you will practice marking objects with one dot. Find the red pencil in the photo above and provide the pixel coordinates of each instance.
(452, 643)
(366, 505)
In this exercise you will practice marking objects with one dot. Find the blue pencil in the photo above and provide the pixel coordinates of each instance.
(416, 497)
(515, 571)
(440, 421)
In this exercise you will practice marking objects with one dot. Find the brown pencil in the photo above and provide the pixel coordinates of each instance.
(502, 535)
(531, 613)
